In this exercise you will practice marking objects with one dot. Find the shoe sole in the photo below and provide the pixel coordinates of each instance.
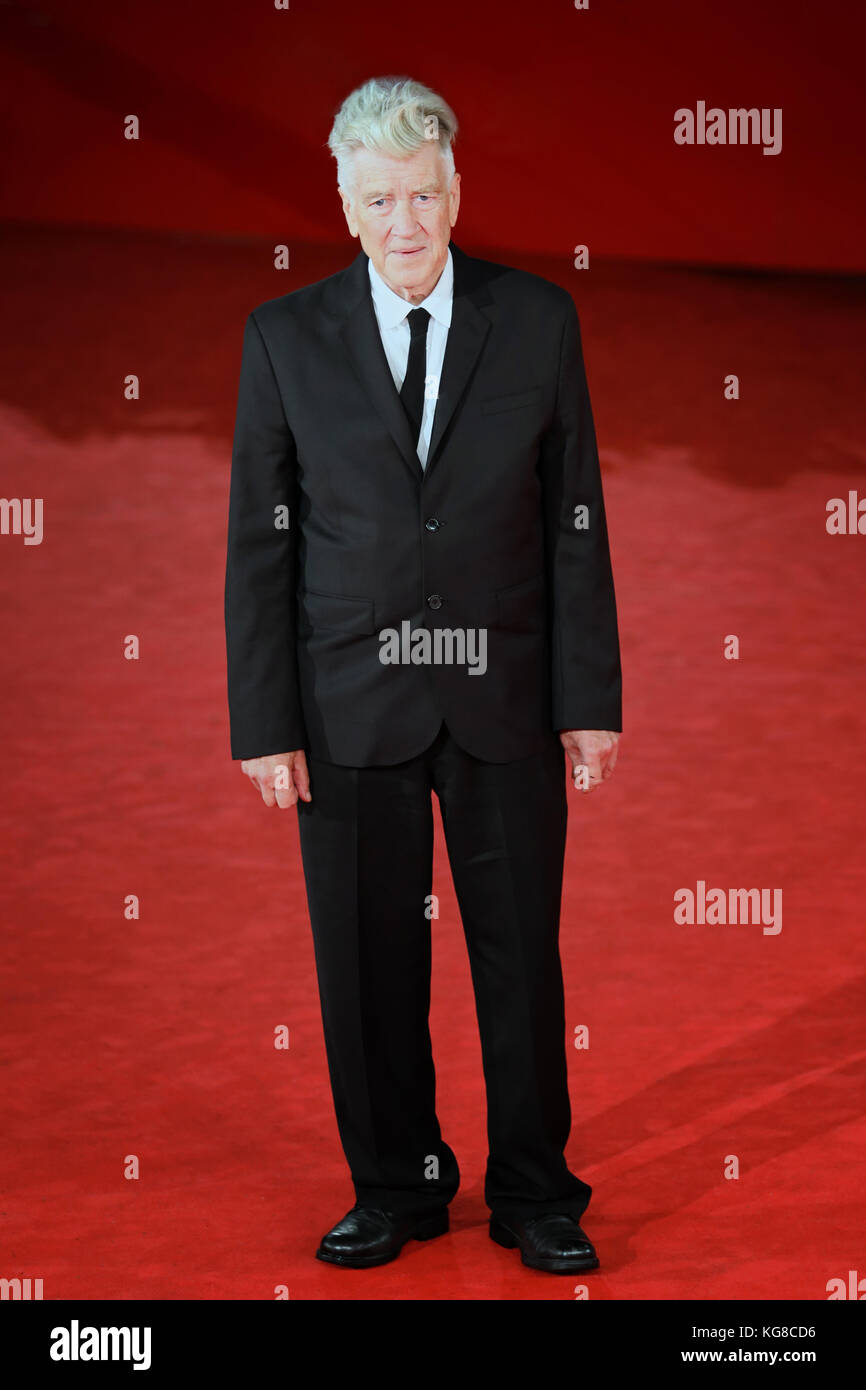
(502, 1236)
(427, 1229)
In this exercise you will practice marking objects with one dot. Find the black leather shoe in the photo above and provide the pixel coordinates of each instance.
(554, 1242)
(368, 1236)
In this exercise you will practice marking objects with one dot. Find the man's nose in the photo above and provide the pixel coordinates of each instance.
(405, 217)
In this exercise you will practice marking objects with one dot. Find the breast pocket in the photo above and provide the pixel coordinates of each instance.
(494, 404)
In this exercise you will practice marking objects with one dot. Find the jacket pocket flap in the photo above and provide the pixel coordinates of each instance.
(337, 611)
(522, 605)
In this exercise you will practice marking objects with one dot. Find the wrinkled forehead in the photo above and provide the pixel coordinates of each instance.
(376, 173)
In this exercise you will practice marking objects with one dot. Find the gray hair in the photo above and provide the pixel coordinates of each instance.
(393, 115)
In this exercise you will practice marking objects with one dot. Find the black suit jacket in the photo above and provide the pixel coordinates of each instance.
(484, 538)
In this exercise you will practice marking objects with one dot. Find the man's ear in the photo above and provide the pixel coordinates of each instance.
(347, 211)
(454, 199)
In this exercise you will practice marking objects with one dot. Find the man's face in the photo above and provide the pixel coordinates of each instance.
(403, 212)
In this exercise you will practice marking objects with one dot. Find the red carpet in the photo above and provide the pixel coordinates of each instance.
(154, 1037)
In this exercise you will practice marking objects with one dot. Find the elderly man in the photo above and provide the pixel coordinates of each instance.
(419, 599)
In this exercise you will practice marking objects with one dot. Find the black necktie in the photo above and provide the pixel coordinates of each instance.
(412, 390)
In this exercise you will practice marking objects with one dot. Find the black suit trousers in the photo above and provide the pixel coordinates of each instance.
(367, 845)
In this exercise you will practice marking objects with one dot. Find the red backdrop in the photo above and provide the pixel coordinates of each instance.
(567, 120)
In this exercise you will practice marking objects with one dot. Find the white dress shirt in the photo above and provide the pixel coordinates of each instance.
(392, 317)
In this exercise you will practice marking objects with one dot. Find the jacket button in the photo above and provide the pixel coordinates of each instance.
(434, 601)
(432, 523)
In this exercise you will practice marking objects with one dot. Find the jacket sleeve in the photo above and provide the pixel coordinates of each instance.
(586, 675)
(260, 606)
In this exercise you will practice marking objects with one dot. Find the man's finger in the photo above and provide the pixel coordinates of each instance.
(593, 767)
(301, 777)
(286, 796)
(576, 759)
(582, 777)
(283, 786)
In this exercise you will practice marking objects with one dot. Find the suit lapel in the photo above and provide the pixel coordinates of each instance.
(360, 334)
(361, 337)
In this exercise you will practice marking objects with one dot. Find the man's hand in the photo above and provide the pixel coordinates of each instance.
(280, 777)
(593, 754)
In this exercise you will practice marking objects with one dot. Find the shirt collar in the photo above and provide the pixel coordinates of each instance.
(391, 309)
